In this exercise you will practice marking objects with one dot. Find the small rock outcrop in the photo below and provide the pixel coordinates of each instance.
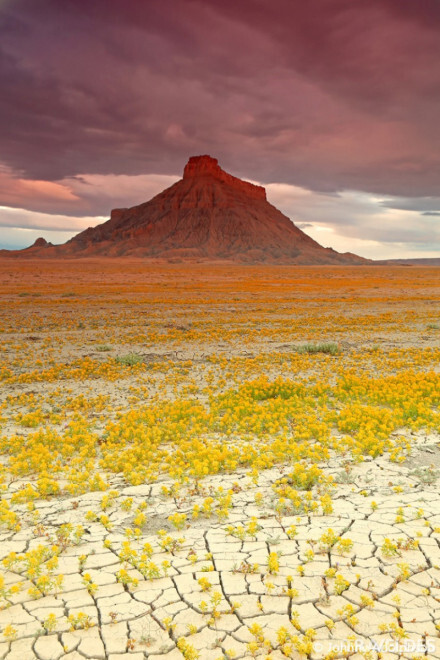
(40, 243)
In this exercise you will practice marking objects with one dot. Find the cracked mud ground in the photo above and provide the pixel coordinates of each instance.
(239, 564)
(155, 613)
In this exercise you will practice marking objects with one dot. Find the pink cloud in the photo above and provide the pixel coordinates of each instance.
(327, 94)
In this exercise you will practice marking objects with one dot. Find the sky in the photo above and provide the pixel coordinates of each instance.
(332, 105)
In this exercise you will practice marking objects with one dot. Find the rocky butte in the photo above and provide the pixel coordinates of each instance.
(209, 215)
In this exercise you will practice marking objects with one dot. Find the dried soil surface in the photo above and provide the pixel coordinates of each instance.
(101, 338)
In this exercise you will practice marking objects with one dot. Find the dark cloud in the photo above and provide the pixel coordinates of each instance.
(325, 94)
(425, 205)
(103, 101)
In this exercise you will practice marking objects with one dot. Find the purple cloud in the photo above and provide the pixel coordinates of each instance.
(328, 94)
(325, 95)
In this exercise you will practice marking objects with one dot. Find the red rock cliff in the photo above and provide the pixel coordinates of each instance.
(199, 166)
(207, 215)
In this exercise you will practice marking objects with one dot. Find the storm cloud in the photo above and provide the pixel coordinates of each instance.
(100, 99)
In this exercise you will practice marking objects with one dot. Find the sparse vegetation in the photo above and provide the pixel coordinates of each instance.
(228, 435)
(425, 475)
(329, 348)
(129, 360)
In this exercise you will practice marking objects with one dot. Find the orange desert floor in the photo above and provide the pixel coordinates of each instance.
(217, 461)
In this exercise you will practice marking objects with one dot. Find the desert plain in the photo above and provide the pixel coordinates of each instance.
(215, 461)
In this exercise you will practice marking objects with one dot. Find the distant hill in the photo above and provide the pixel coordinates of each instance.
(433, 261)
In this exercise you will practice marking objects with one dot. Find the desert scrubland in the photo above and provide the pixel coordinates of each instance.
(217, 462)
